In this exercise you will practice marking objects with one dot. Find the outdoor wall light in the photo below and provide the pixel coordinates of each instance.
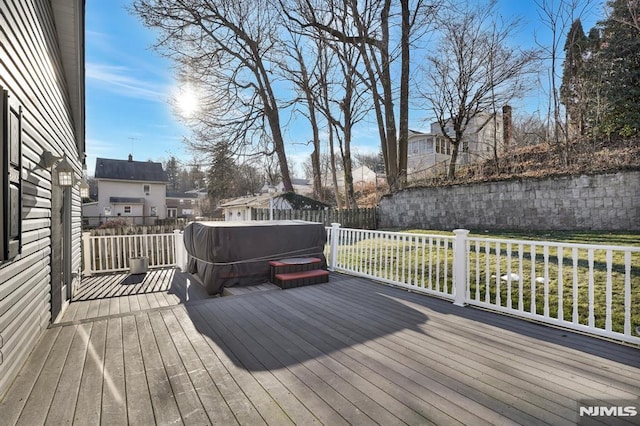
(84, 188)
(65, 173)
(64, 169)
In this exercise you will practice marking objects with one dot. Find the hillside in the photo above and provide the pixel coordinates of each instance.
(542, 160)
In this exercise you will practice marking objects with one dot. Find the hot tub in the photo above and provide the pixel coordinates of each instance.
(224, 254)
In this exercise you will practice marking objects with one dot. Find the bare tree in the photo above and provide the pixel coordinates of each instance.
(529, 129)
(341, 96)
(326, 63)
(558, 16)
(352, 107)
(226, 49)
(368, 26)
(460, 82)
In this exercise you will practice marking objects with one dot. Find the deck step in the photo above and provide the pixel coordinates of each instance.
(280, 267)
(302, 278)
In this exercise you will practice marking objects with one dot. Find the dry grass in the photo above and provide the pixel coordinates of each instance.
(540, 161)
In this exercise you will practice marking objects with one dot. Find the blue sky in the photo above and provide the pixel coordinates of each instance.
(128, 86)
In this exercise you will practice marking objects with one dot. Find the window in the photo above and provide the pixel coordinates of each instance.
(145, 188)
(153, 211)
(11, 184)
(107, 211)
(443, 146)
(429, 146)
(172, 212)
(127, 209)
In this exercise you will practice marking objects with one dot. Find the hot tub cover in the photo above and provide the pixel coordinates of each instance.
(224, 254)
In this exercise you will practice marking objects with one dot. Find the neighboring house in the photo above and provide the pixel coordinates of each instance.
(300, 186)
(429, 153)
(240, 208)
(131, 189)
(361, 177)
(182, 205)
(41, 138)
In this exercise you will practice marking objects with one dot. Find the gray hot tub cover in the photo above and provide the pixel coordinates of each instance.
(224, 254)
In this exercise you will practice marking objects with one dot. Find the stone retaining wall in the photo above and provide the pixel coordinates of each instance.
(608, 202)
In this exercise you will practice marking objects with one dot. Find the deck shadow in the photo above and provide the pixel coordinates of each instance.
(169, 280)
(601, 347)
(271, 330)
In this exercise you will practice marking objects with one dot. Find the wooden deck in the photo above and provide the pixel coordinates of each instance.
(347, 352)
(122, 293)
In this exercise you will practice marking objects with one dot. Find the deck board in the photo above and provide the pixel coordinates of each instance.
(89, 403)
(347, 352)
(191, 409)
(210, 397)
(163, 400)
(64, 402)
(139, 408)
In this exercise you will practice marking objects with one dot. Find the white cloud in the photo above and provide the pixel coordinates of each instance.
(119, 79)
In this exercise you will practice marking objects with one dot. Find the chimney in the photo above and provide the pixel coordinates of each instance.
(130, 158)
(507, 123)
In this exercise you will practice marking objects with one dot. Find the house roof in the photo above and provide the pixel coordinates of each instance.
(258, 201)
(296, 201)
(147, 171)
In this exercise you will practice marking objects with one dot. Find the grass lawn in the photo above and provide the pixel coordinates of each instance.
(548, 285)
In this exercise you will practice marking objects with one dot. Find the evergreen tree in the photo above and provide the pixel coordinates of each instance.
(572, 93)
(172, 169)
(221, 173)
(619, 58)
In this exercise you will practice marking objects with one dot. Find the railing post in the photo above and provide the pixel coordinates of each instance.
(460, 266)
(86, 254)
(333, 252)
(181, 251)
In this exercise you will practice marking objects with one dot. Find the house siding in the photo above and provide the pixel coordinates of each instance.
(115, 188)
(32, 73)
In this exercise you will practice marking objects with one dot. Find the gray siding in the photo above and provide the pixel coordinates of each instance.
(31, 70)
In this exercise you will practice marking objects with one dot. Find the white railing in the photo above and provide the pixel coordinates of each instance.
(113, 252)
(420, 262)
(586, 287)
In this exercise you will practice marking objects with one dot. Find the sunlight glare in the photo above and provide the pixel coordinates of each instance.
(187, 102)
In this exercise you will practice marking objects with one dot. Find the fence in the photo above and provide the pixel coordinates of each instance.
(113, 253)
(589, 288)
(352, 218)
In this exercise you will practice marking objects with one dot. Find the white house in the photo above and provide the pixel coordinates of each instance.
(240, 208)
(429, 153)
(362, 176)
(300, 186)
(131, 189)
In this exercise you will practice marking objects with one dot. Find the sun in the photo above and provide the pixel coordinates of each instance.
(187, 101)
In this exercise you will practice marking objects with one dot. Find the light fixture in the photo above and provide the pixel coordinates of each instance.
(84, 188)
(65, 173)
(64, 170)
